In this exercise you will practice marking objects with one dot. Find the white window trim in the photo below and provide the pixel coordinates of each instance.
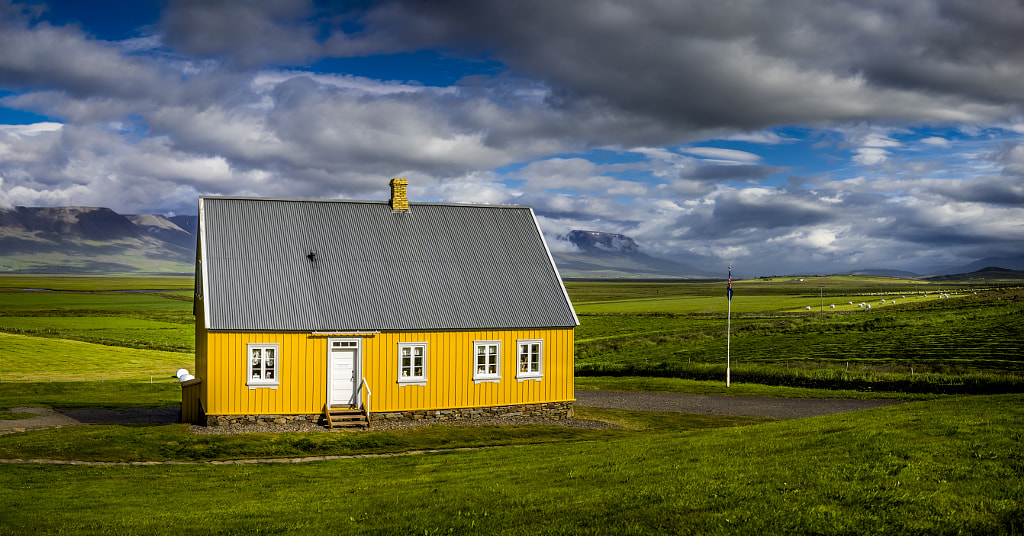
(524, 376)
(261, 383)
(412, 380)
(484, 377)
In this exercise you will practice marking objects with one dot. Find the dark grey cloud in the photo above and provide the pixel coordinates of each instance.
(41, 56)
(745, 172)
(996, 190)
(736, 211)
(742, 64)
(247, 34)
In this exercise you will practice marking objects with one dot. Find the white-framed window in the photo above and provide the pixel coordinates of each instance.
(412, 363)
(486, 361)
(529, 359)
(263, 365)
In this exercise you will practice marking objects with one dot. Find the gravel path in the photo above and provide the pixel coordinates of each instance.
(751, 406)
(48, 418)
(754, 406)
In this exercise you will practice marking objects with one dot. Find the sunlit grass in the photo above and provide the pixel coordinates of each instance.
(92, 283)
(37, 359)
(949, 466)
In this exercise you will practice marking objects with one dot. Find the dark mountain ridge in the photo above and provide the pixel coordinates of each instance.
(599, 255)
(97, 240)
(92, 240)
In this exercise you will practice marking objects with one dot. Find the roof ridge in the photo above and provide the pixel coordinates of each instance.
(355, 201)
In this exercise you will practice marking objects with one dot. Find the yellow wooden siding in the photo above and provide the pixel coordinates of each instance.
(303, 372)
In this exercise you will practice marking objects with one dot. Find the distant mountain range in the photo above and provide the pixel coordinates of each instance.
(91, 240)
(597, 255)
(989, 272)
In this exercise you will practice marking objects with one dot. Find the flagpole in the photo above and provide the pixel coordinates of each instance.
(728, 332)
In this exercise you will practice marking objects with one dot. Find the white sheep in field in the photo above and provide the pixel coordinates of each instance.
(808, 307)
(833, 306)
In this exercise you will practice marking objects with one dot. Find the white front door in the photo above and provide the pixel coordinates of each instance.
(342, 363)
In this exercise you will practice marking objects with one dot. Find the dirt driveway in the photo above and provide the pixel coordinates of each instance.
(48, 418)
(754, 406)
(750, 406)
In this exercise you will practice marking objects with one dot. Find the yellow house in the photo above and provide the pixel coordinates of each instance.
(389, 310)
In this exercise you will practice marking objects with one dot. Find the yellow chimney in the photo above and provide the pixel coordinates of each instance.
(399, 202)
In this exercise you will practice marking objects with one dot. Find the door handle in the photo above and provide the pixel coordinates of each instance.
(353, 378)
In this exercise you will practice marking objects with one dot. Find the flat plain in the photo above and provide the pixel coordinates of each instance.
(941, 464)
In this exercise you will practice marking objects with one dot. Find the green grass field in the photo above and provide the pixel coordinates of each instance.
(38, 359)
(937, 465)
(671, 331)
(949, 466)
(145, 313)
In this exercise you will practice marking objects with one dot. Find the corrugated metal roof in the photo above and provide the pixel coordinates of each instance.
(439, 266)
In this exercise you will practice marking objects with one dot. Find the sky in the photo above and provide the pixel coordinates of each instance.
(781, 137)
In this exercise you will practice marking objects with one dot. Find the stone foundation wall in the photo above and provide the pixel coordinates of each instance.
(548, 410)
(224, 420)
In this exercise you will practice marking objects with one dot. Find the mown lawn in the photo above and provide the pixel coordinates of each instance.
(38, 359)
(949, 466)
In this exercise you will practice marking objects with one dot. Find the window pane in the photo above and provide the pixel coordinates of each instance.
(418, 371)
(493, 369)
(418, 350)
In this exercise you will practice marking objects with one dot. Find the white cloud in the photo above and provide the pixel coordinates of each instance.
(936, 141)
(722, 155)
(31, 129)
(877, 139)
(870, 155)
(765, 137)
